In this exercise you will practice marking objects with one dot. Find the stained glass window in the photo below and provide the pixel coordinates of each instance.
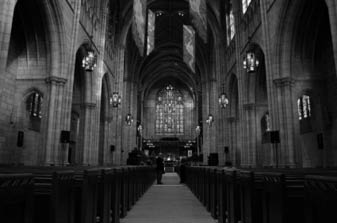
(230, 24)
(245, 4)
(169, 112)
(304, 107)
(34, 105)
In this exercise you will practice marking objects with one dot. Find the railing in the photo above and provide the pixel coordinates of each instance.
(71, 195)
(266, 195)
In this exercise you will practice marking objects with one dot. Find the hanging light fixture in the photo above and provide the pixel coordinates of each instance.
(250, 62)
(223, 100)
(89, 62)
(129, 119)
(115, 100)
(210, 120)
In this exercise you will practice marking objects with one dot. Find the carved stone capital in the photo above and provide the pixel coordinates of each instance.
(284, 82)
(56, 80)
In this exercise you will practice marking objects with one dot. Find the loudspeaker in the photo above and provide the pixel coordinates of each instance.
(112, 148)
(213, 159)
(320, 142)
(19, 142)
(275, 137)
(226, 149)
(65, 136)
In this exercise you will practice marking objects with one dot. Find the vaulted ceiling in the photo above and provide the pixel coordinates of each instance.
(166, 63)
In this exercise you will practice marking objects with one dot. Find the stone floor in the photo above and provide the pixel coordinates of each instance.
(170, 202)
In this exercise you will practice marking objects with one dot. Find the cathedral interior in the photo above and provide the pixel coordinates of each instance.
(239, 92)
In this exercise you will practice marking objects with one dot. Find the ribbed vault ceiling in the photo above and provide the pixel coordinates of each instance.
(166, 61)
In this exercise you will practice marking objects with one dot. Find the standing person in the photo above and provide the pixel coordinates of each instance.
(160, 168)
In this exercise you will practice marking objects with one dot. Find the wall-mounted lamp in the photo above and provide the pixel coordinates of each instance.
(223, 100)
(140, 129)
(198, 130)
(115, 100)
(129, 119)
(210, 119)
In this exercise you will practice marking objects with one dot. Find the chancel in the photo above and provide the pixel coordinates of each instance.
(229, 104)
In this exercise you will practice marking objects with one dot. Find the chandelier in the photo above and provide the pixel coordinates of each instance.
(115, 100)
(250, 62)
(89, 61)
(129, 119)
(223, 100)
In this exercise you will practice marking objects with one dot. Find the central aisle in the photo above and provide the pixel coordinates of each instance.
(170, 202)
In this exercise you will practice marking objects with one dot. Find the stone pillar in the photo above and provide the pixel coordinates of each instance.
(332, 7)
(271, 65)
(250, 145)
(55, 153)
(219, 67)
(119, 71)
(7, 81)
(83, 155)
(6, 20)
(205, 148)
(287, 148)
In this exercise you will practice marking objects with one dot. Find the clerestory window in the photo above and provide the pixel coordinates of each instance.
(230, 23)
(245, 5)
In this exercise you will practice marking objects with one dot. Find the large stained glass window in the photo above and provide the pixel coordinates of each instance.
(169, 112)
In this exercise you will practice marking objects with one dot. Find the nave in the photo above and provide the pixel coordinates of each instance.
(239, 93)
(170, 202)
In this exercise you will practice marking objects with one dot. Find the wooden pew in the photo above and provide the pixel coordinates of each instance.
(233, 196)
(86, 194)
(222, 196)
(251, 188)
(16, 198)
(52, 192)
(320, 199)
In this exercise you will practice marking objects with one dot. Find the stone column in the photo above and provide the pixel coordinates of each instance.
(271, 65)
(119, 71)
(332, 7)
(250, 144)
(83, 154)
(219, 67)
(287, 148)
(205, 147)
(55, 153)
(6, 20)
(7, 81)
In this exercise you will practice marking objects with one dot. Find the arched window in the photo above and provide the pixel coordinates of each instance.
(245, 4)
(169, 112)
(33, 106)
(230, 23)
(304, 109)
